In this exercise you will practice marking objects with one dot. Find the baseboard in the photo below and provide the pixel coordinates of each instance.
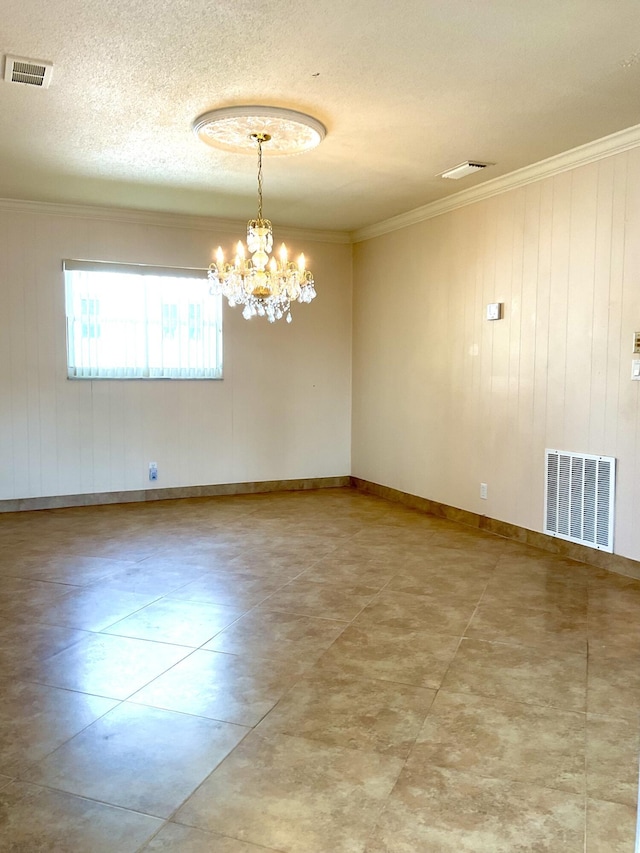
(141, 495)
(610, 562)
(601, 559)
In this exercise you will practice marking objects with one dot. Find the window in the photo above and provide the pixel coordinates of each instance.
(139, 322)
(169, 321)
(89, 310)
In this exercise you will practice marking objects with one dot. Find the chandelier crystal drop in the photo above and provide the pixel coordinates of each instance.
(266, 286)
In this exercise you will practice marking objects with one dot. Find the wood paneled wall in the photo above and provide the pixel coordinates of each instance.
(282, 410)
(445, 400)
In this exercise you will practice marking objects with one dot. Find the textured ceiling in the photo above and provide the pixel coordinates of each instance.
(405, 89)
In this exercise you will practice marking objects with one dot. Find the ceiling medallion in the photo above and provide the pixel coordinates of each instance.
(233, 129)
(265, 286)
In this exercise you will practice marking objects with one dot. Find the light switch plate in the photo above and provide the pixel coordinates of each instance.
(635, 369)
(494, 310)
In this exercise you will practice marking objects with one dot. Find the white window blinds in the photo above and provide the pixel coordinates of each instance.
(141, 322)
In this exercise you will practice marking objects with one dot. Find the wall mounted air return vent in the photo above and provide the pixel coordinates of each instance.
(579, 498)
(31, 72)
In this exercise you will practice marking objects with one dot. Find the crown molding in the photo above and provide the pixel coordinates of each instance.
(165, 220)
(616, 143)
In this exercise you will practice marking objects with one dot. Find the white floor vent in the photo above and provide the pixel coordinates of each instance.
(579, 498)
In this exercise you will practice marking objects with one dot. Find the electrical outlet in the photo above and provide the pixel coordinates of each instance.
(153, 470)
(636, 342)
(483, 491)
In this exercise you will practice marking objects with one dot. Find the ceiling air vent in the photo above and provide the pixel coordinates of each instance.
(464, 169)
(31, 72)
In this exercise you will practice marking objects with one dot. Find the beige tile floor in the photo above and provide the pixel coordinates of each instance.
(316, 672)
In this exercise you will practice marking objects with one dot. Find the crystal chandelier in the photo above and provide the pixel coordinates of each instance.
(264, 284)
(266, 287)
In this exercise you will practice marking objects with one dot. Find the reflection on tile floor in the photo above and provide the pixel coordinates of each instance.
(312, 672)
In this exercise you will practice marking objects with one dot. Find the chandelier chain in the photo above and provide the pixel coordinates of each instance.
(259, 178)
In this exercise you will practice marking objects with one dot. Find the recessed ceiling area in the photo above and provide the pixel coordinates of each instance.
(405, 90)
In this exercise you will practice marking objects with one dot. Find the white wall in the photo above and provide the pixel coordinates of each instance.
(282, 410)
(445, 400)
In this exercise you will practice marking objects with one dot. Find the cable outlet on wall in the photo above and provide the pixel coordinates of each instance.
(483, 491)
(153, 470)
